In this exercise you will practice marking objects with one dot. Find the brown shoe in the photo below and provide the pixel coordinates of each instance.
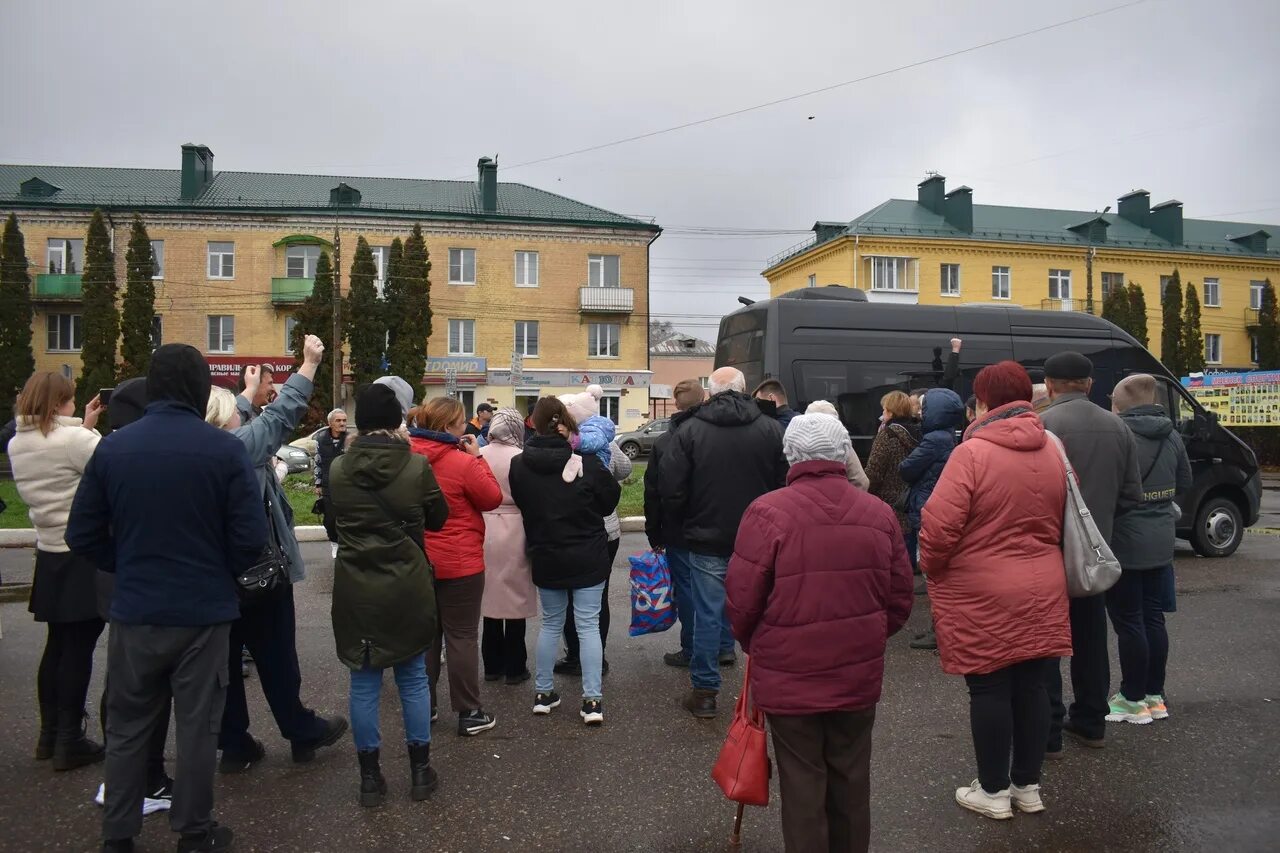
(1082, 738)
(701, 703)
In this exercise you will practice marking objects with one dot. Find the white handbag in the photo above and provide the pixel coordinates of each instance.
(1091, 566)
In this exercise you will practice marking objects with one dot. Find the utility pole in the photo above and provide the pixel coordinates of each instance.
(1088, 275)
(337, 314)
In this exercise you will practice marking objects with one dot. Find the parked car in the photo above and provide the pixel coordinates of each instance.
(297, 459)
(639, 442)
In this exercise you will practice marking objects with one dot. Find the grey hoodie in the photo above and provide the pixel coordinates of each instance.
(1143, 537)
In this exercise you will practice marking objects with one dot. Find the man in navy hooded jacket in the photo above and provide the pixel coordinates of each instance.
(170, 506)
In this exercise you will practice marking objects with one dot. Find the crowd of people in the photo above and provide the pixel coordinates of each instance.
(450, 533)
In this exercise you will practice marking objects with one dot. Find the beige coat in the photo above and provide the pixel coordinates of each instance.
(508, 581)
(47, 471)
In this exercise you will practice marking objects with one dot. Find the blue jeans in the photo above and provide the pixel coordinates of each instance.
(711, 632)
(1136, 605)
(586, 618)
(682, 591)
(415, 703)
(911, 540)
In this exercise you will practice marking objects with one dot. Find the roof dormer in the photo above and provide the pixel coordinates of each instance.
(35, 187)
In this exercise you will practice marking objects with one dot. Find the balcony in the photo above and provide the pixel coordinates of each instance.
(1062, 305)
(1251, 318)
(606, 300)
(290, 291)
(56, 287)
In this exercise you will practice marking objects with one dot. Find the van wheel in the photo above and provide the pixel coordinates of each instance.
(631, 449)
(1218, 528)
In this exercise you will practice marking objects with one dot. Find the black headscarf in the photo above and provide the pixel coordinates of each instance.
(179, 374)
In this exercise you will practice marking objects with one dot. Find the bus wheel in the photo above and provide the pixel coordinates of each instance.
(1218, 528)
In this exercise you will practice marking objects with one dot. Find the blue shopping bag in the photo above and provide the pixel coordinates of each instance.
(652, 606)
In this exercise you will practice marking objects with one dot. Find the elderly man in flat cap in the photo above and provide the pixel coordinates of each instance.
(1102, 451)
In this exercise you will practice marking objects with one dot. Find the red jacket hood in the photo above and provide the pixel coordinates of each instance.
(1013, 425)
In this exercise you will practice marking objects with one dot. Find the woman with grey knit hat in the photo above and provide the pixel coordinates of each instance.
(818, 582)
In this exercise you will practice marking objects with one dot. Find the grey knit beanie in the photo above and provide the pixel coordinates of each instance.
(816, 437)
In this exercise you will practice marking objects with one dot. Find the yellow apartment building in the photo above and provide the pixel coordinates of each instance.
(520, 277)
(943, 249)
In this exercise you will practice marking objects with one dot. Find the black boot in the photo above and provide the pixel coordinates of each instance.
(48, 732)
(71, 748)
(373, 788)
(423, 775)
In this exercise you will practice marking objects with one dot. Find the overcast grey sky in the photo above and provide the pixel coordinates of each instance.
(1176, 96)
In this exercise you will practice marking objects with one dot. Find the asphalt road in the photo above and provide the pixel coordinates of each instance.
(1207, 779)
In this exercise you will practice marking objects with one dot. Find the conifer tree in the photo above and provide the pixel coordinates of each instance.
(409, 355)
(364, 317)
(315, 317)
(137, 343)
(1268, 330)
(1116, 307)
(16, 361)
(1171, 325)
(392, 301)
(101, 321)
(1192, 338)
(1138, 314)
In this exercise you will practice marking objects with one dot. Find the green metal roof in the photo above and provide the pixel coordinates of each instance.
(993, 223)
(160, 189)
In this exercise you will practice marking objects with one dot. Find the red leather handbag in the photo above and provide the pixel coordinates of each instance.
(742, 771)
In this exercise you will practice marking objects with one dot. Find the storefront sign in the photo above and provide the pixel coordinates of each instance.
(560, 378)
(225, 370)
(465, 369)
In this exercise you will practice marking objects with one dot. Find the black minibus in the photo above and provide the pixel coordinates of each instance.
(830, 343)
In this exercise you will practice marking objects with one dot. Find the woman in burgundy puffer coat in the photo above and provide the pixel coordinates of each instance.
(990, 546)
(818, 581)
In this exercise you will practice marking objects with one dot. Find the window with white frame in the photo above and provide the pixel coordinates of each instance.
(157, 258)
(1253, 348)
(157, 332)
(526, 269)
(1111, 281)
(222, 333)
(527, 338)
(950, 279)
(301, 261)
(290, 323)
(1059, 284)
(610, 408)
(603, 271)
(604, 340)
(462, 337)
(65, 333)
(1255, 295)
(1165, 280)
(1213, 349)
(813, 280)
(891, 274)
(1001, 284)
(1212, 293)
(222, 260)
(380, 255)
(462, 266)
(64, 256)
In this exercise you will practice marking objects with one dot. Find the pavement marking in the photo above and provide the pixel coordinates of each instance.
(1265, 531)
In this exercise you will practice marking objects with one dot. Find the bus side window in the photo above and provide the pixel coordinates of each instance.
(1176, 405)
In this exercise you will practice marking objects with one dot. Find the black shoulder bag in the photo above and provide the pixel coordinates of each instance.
(271, 571)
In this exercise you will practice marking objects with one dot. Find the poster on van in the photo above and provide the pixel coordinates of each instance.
(1239, 399)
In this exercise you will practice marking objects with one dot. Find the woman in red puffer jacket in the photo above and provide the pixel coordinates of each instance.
(990, 546)
(437, 431)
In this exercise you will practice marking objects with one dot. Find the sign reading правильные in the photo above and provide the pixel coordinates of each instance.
(1239, 399)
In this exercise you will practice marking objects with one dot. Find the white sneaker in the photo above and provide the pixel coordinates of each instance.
(1027, 799)
(333, 550)
(150, 805)
(994, 806)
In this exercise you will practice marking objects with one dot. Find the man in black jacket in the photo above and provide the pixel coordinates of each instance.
(170, 505)
(663, 536)
(722, 457)
(330, 444)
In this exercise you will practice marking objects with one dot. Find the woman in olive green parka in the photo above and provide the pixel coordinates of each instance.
(384, 603)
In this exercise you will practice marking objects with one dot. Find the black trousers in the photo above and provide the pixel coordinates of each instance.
(1090, 674)
(329, 520)
(571, 630)
(62, 681)
(1136, 606)
(824, 775)
(1009, 708)
(269, 630)
(502, 647)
